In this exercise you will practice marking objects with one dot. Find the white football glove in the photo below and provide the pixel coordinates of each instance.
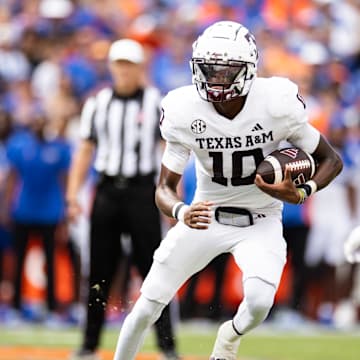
(352, 246)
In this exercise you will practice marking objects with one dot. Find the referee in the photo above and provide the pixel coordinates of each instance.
(119, 125)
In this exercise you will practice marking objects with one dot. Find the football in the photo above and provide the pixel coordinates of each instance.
(301, 164)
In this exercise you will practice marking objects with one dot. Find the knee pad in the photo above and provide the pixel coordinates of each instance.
(146, 311)
(258, 299)
(259, 296)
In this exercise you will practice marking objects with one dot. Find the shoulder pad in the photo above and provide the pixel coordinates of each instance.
(175, 106)
(281, 94)
(181, 96)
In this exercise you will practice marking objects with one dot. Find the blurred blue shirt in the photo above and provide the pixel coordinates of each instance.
(40, 166)
(189, 181)
(4, 168)
(294, 215)
(167, 74)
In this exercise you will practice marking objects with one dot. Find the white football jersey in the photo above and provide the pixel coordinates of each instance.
(227, 152)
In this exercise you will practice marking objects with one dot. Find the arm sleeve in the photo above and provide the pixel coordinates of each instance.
(87, 120)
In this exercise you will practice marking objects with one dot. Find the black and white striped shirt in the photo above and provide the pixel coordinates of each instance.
(125, 130)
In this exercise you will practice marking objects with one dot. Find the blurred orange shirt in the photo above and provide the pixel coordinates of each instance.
(279, 13)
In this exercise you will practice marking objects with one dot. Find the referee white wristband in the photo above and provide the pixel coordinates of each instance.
(178, 211)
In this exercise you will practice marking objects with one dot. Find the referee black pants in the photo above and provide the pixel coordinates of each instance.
(116, 211)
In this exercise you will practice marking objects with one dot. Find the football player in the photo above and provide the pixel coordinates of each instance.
(230, 119)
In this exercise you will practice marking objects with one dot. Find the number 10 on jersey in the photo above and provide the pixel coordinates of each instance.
(241, 161)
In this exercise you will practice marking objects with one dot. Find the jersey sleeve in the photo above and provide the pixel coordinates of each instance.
(306, 138)
(176, 152)
(175, 157)
(87, 126)
(169, 120)
(290, 107)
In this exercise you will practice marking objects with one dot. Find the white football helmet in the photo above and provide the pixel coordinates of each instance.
(224, 61)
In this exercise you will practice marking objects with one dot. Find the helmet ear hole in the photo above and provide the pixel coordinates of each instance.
(192, 67)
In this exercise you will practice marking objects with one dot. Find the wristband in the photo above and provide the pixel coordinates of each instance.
(313, 186)
(176, 208)
(181, 212)
(310, 187)
(303, 195)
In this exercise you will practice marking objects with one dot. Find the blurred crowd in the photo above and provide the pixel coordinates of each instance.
(53, 55)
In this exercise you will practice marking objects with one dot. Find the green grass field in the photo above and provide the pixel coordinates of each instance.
(198, 340)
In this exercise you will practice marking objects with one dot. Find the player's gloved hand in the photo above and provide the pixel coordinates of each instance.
(198, 215)
(284, 191)
(352, 246)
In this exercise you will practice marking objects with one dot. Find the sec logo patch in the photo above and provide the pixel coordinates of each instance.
(198, 126)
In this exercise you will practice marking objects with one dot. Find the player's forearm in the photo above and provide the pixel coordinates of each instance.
(165, 199)
(330, 164)
(79, 170)
(327, 171)
(166, 195)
